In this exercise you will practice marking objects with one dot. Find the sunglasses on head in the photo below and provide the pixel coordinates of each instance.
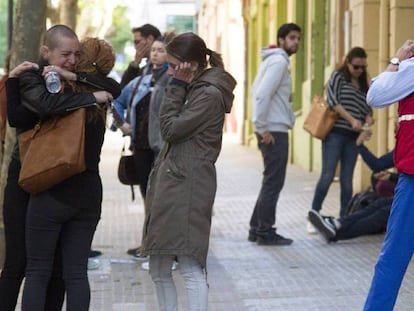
(357, 67)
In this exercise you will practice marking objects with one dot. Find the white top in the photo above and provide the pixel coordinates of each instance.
(271, 93)
(392, 86)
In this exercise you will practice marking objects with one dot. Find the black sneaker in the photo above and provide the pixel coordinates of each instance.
(133, 251)
(324, 225)
(272, 238)
(252, 235)
(139, 256)
(94, 253)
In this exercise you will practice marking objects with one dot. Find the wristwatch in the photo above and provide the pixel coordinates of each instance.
(395, 61)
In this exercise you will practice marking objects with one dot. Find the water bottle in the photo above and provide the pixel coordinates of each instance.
(53, 83)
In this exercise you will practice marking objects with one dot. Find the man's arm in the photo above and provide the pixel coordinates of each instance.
(376, 164)
(265, 90)
(396, 82)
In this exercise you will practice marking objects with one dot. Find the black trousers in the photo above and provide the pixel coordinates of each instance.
(51, 222)
(14, 217)
(370, 220)
(144, 159)
(275, 158)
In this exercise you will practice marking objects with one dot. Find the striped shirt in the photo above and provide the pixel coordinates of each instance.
(340, 91)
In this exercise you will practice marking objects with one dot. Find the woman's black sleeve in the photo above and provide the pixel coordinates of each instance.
(17, 115)
(101, 82)
(35, 97)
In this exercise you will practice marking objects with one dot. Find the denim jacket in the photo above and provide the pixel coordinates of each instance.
(122, 102)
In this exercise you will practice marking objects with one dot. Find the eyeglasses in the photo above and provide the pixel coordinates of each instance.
(357, 67)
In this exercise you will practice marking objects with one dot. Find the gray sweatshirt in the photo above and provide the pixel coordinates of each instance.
(271, 93)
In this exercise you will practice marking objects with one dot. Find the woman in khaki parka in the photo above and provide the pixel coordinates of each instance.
(183, 183)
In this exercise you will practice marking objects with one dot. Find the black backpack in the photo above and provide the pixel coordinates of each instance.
(360, 200)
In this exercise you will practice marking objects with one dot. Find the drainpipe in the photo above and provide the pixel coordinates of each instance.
(382, 124)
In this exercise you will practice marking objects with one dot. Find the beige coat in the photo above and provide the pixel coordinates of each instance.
(183, 184)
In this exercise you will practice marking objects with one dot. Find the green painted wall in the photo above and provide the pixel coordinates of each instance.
(329, 27)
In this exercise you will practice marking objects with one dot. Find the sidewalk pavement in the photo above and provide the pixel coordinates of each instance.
(309, 275)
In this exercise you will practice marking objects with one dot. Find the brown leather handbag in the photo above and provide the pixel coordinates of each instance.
(52, 151)
(320, 119)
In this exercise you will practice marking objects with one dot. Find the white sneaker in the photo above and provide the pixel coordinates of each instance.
(311, 228)
(93, 264)
(174, 265)
(145, 266)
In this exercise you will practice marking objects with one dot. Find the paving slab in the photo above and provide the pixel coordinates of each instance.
(309, 275)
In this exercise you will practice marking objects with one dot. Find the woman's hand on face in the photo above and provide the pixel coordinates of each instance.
(183, 72)
(102, 97)
(19, 69)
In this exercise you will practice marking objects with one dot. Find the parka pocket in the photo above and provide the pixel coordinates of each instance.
(175, 171)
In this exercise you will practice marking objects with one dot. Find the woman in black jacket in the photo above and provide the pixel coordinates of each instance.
(67, 214)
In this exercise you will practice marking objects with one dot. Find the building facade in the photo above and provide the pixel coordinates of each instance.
(330, 29)
(220, 24)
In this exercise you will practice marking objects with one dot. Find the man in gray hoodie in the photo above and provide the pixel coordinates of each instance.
(272, 118)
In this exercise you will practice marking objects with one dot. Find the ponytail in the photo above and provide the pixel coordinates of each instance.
(215, 59)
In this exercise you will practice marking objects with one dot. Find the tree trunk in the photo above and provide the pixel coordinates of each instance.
(68, 12)
(28, 29)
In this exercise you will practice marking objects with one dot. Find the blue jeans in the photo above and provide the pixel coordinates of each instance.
(195, 282)
(336, 148)
(397, 249)
(275, 158)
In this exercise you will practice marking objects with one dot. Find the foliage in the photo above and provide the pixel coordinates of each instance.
(3, 31)
(120, 31)
(180, 23)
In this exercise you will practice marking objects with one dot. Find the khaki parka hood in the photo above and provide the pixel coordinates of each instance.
(220, 79)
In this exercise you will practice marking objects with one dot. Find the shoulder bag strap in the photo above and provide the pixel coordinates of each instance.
(135, 89)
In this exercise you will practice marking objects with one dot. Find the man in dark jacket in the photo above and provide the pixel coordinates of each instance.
(144, 36)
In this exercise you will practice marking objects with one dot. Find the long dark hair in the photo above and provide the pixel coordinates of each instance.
(188, 47)
(356, 52)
